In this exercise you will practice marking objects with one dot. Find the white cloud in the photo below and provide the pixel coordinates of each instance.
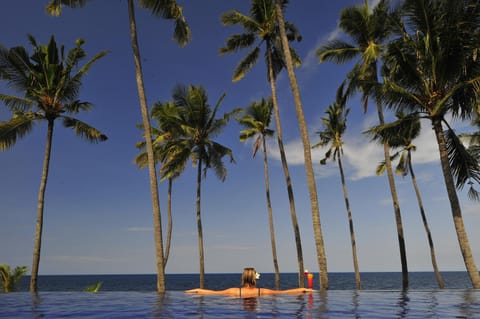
(310, 61)
(361, 156)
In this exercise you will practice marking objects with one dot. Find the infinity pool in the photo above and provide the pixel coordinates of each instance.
(176, 304)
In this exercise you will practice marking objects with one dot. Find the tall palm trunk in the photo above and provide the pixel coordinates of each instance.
(270, 216)
(439, 278)
(350, 224)
(312, 188)
(40, 205)
(157, 219)
(291, 198)
(199, 226)
(455, 206)
(170, 222)
(393, 192)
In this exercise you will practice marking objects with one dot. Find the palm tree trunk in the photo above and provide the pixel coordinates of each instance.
(439, 278)
(291, 198)
(350, 224)
(170, 222)
(199, 226)
(157, 219)
(396, 205)
(270, 216)
(455, 206)
(312, 188)
(40, 205)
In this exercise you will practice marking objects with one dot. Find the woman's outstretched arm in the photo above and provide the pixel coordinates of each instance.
(287, 291)
(211, 292)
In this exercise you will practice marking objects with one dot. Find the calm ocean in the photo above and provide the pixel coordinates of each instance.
(134, 296)
(175, 282)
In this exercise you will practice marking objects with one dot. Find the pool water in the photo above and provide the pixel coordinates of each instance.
(451, 303)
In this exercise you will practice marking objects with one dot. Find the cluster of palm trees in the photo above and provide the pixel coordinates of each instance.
(426, 54)
(186, 128)
(419, 59)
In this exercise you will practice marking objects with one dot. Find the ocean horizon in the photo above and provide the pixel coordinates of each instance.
(179, 282)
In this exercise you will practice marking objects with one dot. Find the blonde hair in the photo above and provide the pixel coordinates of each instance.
(249, 277)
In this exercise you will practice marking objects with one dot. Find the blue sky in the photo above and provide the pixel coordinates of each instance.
(98, 217)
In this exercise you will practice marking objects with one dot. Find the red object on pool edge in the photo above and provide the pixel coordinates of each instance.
(310, 280)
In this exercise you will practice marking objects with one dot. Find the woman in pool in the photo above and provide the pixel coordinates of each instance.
(248, 288)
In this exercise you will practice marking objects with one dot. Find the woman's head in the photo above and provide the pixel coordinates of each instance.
(249, 277)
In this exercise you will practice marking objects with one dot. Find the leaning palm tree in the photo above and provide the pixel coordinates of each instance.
(312, 187)
(167, 9)
(10, 278)
(165, 116)
(335, 125)
(369, 29)
(196, 126)
(50, 83)
(260, 26)
(400, 134)
(432, 69)
(256, 121)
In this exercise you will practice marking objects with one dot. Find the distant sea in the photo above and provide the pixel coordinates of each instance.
(176, 282)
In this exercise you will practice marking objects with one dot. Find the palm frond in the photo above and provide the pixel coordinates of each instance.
(337, 51)
(141, 159)
(473, 194)
(465, 167)
(54, 7)
(182, 34)
(17, 127)
(84, 130)
(247, 134)
(246, 65)
(381, 167)
(15, 67)
(16, 103)
(237, 42)
(216, 152)
(235, 17)
(169, 9)
(83, 70)
(75, 107)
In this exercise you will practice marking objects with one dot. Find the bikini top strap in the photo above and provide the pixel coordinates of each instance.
(259, 291)
(240, 289)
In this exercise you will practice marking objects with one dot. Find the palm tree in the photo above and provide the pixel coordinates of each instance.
(256, 121)
(50, 82)
(400, 134)
(312, 187)
(335, 125)
(261, 25)
(433, 71)
(8, 278)
(167, 9)
(196, 125)
(369, 29)
(165, 115)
